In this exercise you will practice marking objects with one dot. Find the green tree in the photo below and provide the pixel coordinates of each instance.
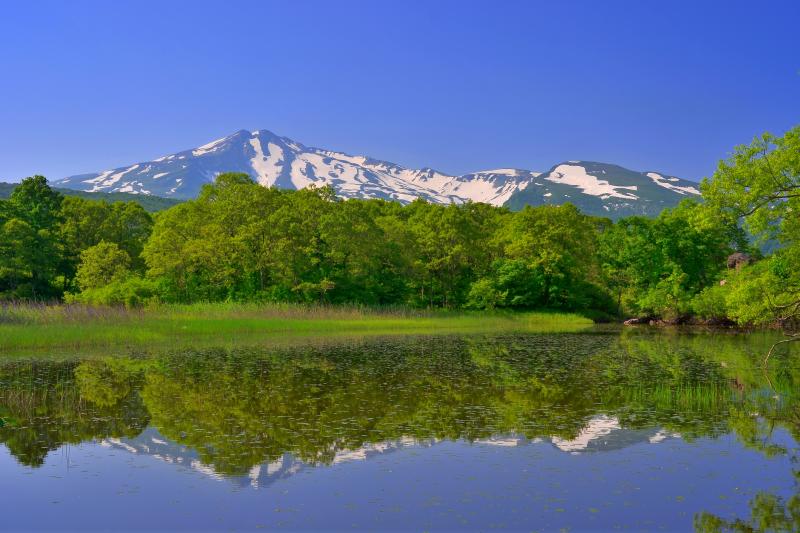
(36, 203)
(451, 246)
(510, 283)
(102, 264)
(30, 253)
(88, 222)
(556, 246)
(760, 185)
(199, 249)
(656, 266)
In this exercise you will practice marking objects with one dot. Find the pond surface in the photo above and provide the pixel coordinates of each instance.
(632, 430)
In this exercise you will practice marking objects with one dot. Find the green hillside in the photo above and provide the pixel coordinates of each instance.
(150, 203)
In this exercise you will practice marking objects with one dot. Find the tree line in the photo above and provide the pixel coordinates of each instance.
(239, 241)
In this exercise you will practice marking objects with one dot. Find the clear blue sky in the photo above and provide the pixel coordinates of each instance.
(458, 86)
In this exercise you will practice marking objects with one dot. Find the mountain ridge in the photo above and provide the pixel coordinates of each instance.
(272, 160)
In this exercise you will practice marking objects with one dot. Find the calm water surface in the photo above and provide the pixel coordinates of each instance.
(636, 430)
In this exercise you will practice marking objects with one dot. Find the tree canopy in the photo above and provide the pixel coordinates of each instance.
(759, 185)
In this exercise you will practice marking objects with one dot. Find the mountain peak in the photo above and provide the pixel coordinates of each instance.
(261, 133)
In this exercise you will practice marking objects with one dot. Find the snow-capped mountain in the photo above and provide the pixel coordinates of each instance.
(282, 162)
(272, 160)
(605, 190)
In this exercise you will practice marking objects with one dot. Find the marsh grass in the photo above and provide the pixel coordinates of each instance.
(45, 313)
(690, 397)
(27, 326)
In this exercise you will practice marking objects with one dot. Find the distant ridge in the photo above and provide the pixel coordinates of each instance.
(150, 203)
(596, 188)
(603, 189)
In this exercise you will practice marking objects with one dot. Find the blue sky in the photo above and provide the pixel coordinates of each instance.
(458, 86)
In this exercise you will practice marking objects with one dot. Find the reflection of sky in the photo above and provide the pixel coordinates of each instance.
(442, 485)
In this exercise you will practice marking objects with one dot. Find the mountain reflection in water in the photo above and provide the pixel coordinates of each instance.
(254, 416)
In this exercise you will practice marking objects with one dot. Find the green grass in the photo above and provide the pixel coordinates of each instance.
(71, 327)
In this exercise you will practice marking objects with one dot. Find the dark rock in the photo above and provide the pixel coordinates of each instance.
(738, 260)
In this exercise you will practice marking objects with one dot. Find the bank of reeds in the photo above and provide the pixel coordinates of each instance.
(24, 326)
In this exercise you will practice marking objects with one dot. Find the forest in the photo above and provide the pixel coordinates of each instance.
(731, 258)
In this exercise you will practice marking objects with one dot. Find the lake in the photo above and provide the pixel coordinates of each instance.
(640, 429)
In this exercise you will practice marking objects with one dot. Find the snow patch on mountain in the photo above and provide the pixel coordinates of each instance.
(597, 427)
(267, 169)
(577, 176)
(490, 186)
(112, 179)
(505, 442)
(210, 147)
(99, 179)
(664, 181)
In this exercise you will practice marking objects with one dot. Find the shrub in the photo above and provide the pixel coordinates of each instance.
(710, 303)
(130, 292)
(102, 264)
(484, 295)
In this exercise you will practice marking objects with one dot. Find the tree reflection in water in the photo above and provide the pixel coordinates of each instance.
(243, 407)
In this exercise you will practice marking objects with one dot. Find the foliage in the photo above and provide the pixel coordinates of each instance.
(768, 512)
(131, 291)
(87, 223)
(711, 303)
(102, 264)
(760, 185)
(547, 260)
(657, 265)
(42, 236)
(241, 241)
(29, 247)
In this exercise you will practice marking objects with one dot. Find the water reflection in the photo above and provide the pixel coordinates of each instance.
(253, 416)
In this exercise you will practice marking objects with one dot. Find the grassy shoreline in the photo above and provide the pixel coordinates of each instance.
(40, 327)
